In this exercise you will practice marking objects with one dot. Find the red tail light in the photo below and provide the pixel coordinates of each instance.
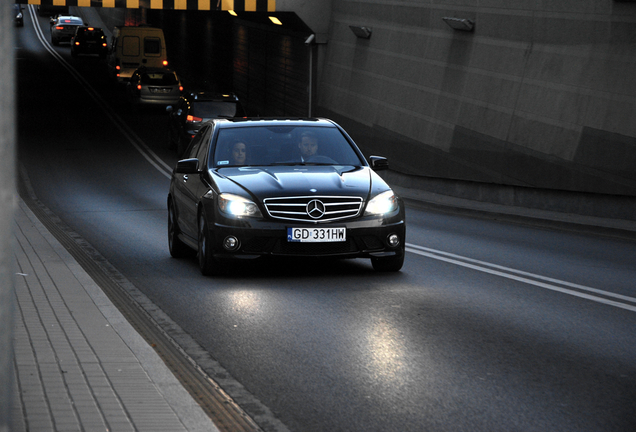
(77, 43)
(165, 63)
(180, 88)
(118, 67)
(138, 86)
(104, 44)
(59, 27)
(91, 29)
(193, 119)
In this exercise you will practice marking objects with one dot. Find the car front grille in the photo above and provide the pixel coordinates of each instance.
(313, 208)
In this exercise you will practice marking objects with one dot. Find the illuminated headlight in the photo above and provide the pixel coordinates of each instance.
(384, 203)
(238, 206)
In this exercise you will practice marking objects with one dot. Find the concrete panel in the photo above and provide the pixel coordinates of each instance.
(495, 57)
(498, 90)
(609, 152)
(509, 26)
(537, 135)
(558, 103)
(506, 103)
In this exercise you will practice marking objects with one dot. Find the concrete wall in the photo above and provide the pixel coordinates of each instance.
(541, 94)
(7, 202)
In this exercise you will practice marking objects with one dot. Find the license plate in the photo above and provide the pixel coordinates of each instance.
(160, 90)
(317, 235)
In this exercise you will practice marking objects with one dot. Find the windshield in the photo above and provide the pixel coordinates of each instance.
(212, 109)
(70, 20)
(159, 78)
(283, 145)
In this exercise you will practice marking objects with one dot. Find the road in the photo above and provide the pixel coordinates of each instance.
(490, 326)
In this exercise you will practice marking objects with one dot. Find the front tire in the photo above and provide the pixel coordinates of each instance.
(207, 263)
(178, 249)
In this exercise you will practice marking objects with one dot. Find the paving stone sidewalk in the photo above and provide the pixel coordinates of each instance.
(79, 364)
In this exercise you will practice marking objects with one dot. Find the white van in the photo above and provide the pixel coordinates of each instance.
(133, 47)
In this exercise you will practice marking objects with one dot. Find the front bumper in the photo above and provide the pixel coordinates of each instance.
(364, 239)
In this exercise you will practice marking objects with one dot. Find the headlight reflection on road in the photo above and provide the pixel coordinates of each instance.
(387, 357)
(244, 301)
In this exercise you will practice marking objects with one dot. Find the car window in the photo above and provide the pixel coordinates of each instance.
(152, 46)
(69, 20)
(210, 109)
(158, 78)
(193, 149)
(202, 153)
(279, 145)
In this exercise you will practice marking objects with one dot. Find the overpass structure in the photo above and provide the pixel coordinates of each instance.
(204, 5)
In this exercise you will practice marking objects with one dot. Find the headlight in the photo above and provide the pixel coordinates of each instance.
(238, 206)
(384, 203)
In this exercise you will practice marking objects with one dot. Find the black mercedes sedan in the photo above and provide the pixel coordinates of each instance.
(251, 188)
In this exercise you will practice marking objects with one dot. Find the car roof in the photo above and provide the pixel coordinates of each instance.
(69, 17)
(272, 122)
(145, 69)
(212, 96)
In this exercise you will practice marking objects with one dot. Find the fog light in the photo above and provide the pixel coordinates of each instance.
(393, 240)
(231, 243)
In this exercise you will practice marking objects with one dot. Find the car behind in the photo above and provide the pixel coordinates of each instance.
(188, 114)
(89, 41)
(63, 28)
(154, 86)
(277, 202)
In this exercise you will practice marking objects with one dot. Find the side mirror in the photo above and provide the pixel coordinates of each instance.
(187, 166)
(378, 163)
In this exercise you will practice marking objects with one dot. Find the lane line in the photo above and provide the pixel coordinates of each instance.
(509, 273)
(130, 135)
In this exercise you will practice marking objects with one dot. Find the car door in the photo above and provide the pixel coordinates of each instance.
(187, 187)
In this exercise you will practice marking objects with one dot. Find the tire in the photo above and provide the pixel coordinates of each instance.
(178, 249)
(207, 263)
(390, 264)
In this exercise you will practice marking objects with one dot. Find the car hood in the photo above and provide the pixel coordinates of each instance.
(276, 181)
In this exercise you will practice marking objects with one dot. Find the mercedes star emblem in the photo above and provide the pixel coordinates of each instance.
(315, 209)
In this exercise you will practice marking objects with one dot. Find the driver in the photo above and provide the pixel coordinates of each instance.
(308, 145)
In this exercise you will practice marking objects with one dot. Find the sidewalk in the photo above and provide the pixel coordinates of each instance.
(80, 366)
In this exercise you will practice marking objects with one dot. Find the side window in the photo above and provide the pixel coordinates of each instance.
(202, 154)
(152, 46)
(195, 149)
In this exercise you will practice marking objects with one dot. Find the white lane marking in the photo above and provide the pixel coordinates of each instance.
(511, 273)
(130, 135)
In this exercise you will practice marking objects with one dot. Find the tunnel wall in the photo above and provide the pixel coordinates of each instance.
(541, 94)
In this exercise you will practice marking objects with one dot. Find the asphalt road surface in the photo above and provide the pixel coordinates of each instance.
(490, 326)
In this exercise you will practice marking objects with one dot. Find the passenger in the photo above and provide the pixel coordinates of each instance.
(238, 155)
(308, 145)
